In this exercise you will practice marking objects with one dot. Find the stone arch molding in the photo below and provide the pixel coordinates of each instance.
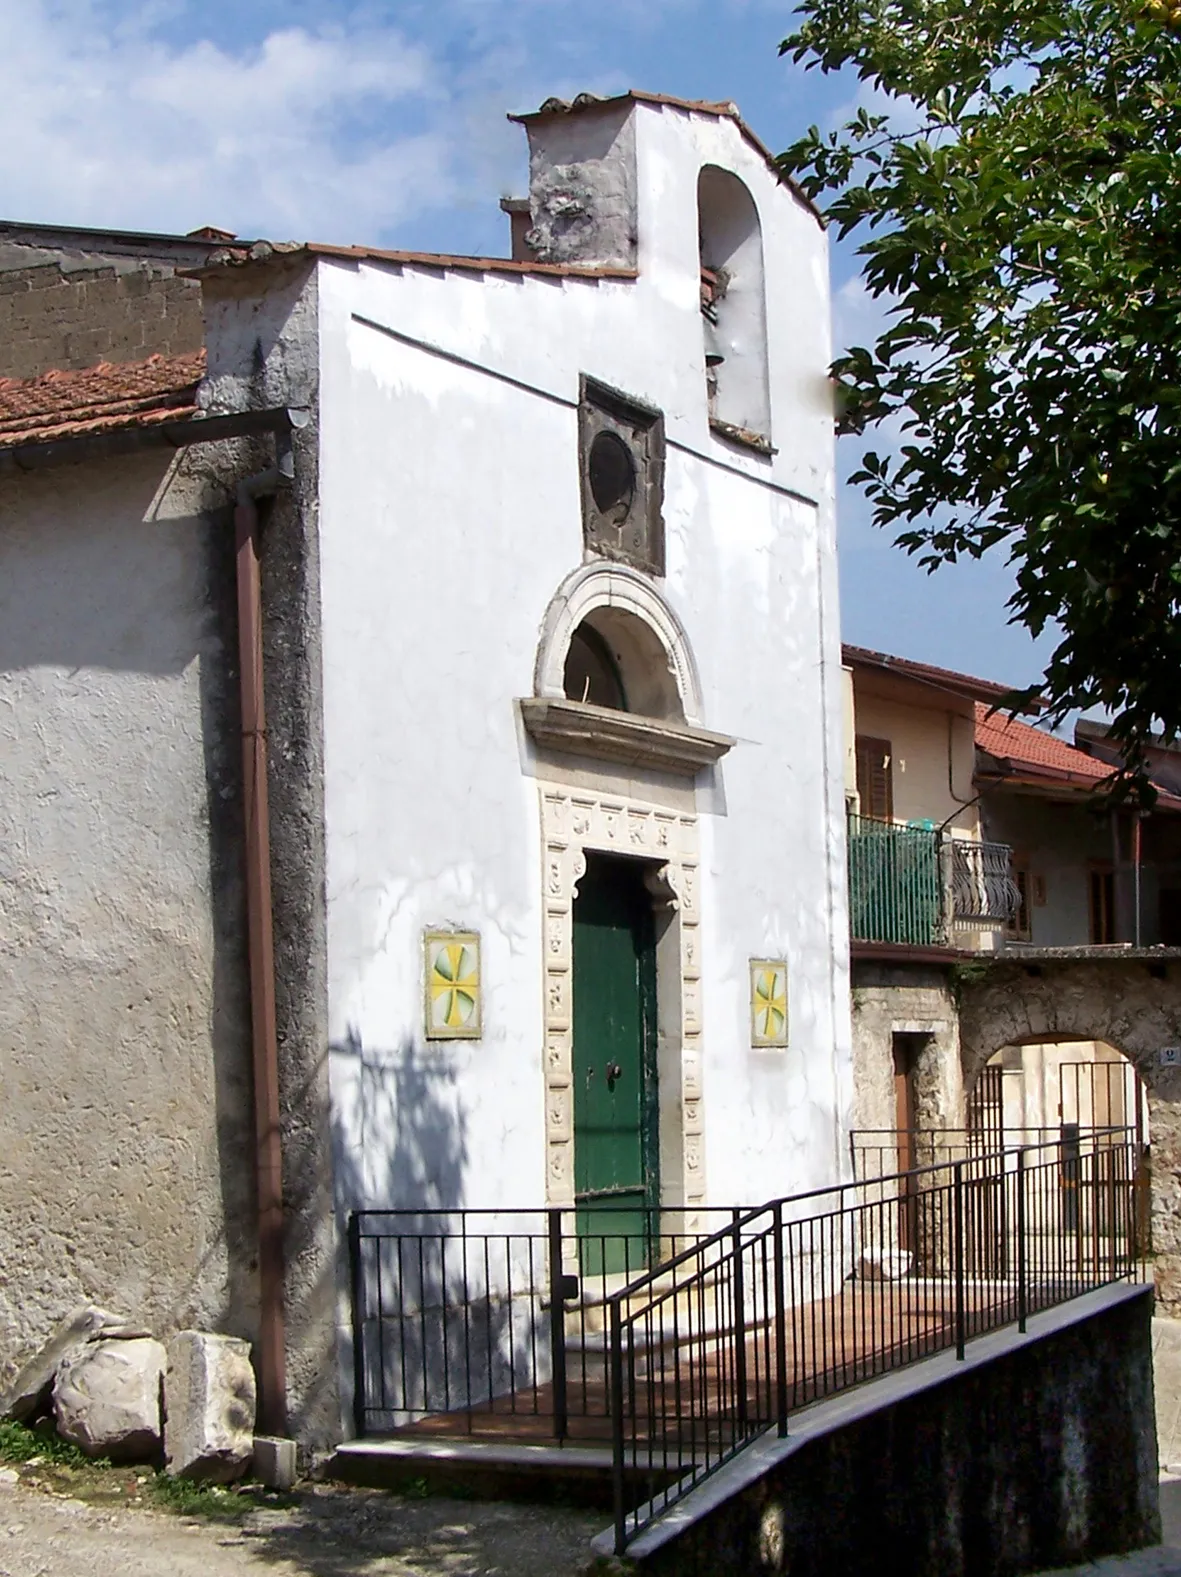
(616, 587)
(1117, 1001)
(1134, 1004)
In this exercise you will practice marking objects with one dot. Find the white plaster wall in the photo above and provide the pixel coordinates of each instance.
(1059, 843)
(449, 517)
(123, 1049)
(928, 737)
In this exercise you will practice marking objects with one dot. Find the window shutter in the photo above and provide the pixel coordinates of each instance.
(875, 777)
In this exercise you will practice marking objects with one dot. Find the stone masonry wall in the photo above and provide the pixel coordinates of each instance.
(57, 315)
(889, 1000)
(1043, 1457)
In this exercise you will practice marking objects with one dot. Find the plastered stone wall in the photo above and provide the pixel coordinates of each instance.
(261, 334)
(582, 188)
(73, 317)
(1132, 1003)
(125, 1109)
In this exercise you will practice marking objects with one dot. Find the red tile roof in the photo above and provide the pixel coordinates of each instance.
(1031, 752)
(725, 109)
(271, 251)
(99, 399)
(924, 673)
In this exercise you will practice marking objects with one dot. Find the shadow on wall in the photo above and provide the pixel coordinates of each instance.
(399, 1134)
(101, 584)
(448, 1309)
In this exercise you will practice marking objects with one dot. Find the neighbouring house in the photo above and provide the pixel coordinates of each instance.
(926, 889)
(1144, 859)
(71, 298)
(423, 745)
(1010, 926)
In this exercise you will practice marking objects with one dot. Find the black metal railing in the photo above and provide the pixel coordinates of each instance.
(877, 1153)
(680, 1337)
(483, 1322)
(806, 1296)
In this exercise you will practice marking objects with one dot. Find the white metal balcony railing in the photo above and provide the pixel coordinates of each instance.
(979, 885)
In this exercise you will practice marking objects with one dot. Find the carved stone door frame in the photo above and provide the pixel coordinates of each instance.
(573, 821)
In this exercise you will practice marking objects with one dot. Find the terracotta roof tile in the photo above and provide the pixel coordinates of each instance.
(1032, 750)
(99, 399)
(277, 251)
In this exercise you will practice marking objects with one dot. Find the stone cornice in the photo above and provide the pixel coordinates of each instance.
(580, 729)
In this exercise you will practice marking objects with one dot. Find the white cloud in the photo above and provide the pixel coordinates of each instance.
(858, 318)
(143, 113)
(309, 133)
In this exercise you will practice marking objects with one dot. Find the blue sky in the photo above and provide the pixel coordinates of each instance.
(385, 123)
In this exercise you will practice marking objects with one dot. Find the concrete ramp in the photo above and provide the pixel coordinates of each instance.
(1035, 1451)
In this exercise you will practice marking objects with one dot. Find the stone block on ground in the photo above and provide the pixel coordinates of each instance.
(31, 1392)
(885, 1264)
(274, 1461)
(209, 1407)
(106, 1399)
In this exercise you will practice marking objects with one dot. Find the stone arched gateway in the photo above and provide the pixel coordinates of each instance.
(1132, 1000)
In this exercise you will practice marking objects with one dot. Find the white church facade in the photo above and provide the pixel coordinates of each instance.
(556, 737)
(571, 627)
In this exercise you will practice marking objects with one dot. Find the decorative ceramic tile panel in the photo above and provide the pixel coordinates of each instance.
(453, 986)
(768, 1002)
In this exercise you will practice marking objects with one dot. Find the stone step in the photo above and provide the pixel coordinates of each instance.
(503, 1469)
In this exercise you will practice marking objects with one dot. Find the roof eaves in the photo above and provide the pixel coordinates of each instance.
(176, 428)
(1018, 770)
(104, 242)
(90, 425)
(476, 265)
(268, 253)
(944, 679)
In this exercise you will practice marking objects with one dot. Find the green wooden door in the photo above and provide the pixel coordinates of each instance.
(615, 1106)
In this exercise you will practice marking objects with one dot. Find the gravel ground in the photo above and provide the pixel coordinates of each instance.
(1163, 1561)
(335, 1532)
(327, 1533)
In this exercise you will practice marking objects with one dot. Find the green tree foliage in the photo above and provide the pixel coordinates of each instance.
(1015, 183)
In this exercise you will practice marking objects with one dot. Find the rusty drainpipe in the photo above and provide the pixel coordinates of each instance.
(272, 1350)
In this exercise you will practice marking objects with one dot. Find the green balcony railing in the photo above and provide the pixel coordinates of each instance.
(895, 883)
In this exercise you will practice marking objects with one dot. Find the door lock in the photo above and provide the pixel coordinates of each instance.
(614, 1071)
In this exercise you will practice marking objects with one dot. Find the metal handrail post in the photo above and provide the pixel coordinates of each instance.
(958, 1253)
(557, 1326)
(1022, 1289)
(358, 1282)
(1113, 1212)
(616, 1382)
(739, 1330)
(780, 1328)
